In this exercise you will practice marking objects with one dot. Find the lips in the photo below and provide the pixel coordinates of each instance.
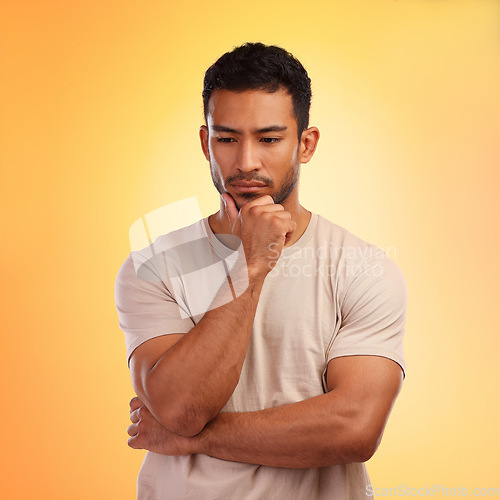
(247, 186)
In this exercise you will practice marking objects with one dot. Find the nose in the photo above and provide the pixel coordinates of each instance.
(248, 157)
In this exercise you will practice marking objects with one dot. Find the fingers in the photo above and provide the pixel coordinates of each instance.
(259, 224)
(261, 200)
(263, 209)
(277, 215)
(138, 412)
(232, 212)
(291, 226)
(230, 207)
(134, 404)
(133, 442)
(132, 430)
(135, 416)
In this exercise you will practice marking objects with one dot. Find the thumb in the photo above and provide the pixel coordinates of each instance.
(230, 207)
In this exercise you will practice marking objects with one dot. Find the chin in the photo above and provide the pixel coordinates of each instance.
(244, 198)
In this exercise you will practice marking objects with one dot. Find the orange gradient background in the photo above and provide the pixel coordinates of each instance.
(100, 107)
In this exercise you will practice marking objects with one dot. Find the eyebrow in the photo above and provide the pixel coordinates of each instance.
(272, 128)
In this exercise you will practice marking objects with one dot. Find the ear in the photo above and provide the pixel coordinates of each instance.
(204, 141)
(308, 143)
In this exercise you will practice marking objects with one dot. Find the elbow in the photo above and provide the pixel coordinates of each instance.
(365, 445)
(183, 422)
(175, 416)
(357, 444)
(354, 449)
(365, 451)
(181, 416)
(175, 410)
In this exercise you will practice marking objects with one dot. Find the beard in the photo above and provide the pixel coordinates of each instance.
(278, 195)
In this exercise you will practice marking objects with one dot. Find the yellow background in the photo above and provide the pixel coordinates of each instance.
(100, 106)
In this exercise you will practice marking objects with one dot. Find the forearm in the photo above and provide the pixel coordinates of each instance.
(342, 426)
(317, 432)
(192, 381)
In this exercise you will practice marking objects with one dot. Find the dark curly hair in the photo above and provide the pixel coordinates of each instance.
(255, 66)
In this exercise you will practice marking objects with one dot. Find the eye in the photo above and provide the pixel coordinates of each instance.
(270, 140)
(225, 140)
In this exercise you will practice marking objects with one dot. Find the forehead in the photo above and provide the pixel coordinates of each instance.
(250, 108)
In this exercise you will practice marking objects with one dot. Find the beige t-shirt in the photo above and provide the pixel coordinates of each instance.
(331, 294)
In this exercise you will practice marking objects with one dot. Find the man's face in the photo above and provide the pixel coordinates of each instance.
(252, 144)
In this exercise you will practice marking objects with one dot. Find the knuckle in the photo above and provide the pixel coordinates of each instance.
(277, 224)
(254, 211)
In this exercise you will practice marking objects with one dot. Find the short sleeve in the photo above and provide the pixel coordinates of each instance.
(146, 308)
(373, 313)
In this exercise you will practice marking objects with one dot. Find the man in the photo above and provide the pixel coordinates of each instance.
(283, 389)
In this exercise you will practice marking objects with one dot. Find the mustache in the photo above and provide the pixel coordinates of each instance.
(249, 178)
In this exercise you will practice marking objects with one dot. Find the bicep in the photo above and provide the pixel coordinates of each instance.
(369, 385)
(145, 356)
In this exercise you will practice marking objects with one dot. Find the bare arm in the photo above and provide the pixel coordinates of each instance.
(185, 380)
(345, 425)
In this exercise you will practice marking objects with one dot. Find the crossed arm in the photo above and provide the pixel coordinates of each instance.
(183, 382)
(342, 426)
